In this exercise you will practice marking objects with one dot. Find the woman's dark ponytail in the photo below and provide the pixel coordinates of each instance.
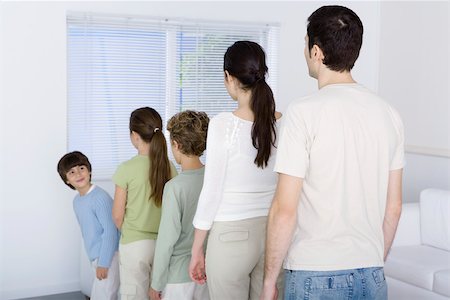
(263, 130)
(246, 61)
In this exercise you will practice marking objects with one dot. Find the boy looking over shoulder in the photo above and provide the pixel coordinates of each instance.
(93, 209)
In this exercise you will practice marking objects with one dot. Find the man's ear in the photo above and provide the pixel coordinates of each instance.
(317, 53)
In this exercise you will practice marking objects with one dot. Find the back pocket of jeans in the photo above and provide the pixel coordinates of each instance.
(329, 287)
(331, 282)
(378, 277)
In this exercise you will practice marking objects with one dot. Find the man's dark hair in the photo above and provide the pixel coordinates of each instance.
(338, 32)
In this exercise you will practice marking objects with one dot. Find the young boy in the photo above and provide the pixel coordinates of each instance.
(93, 207)
(170, 279)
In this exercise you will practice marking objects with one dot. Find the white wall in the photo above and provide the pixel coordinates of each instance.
(39, 237)
(414, 78)
(2, 157)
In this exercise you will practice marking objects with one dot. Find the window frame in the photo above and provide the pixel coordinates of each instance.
(172, 28)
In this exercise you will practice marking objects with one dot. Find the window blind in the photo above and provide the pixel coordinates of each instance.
(117, 64)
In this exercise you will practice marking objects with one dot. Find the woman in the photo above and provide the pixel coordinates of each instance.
(239, 181)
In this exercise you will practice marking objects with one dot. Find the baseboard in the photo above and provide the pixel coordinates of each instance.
(37, 291)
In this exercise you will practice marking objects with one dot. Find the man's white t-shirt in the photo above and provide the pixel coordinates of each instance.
(342, 140)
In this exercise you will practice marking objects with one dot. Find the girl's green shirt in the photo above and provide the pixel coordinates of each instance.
(142, 216)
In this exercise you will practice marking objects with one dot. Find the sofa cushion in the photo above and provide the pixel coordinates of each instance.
(435, 218)
(441, 283)
(416, 265)
(408, 229)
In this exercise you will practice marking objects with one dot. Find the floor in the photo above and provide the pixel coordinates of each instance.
(68, 296)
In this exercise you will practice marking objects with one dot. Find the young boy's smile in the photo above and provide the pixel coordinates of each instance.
(80, 178)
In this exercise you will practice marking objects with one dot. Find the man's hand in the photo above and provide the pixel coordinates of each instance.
(281, 224)
(269, 292)
(101, 273)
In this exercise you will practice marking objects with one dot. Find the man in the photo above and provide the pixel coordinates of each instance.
(340, 159)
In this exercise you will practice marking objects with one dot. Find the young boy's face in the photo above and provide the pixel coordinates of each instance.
(80, 178)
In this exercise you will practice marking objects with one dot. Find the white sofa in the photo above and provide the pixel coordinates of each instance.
(418, 265)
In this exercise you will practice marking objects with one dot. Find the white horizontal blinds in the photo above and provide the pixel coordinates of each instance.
(115, 65)
(200, 51)
(273, 35)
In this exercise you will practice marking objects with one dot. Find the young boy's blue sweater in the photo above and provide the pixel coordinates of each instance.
(100, 235)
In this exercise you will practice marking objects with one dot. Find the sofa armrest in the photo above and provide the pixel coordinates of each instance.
(408, 230)
(435, 218)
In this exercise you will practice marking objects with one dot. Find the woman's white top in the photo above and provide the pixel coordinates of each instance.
(234, 187)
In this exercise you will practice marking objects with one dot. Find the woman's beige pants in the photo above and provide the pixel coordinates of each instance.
(235, 260)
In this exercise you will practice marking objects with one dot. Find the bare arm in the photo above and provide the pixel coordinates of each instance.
(118, 210)
(393, 209)
(280, 229)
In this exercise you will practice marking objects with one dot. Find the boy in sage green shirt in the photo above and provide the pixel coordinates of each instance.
(170, 278)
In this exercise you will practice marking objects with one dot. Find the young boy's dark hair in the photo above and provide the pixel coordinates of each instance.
(338, 32)
(70, 160)
(189, 129)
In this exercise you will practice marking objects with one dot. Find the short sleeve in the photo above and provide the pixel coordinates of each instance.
(119, 178)
(398, 157)
(293, 145)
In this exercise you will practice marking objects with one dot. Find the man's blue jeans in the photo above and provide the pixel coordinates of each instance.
(366, 283)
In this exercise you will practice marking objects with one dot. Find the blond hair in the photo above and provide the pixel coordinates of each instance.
(189, 129)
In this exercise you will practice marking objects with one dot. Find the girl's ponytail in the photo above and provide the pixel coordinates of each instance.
(147, 122)
(159, 172)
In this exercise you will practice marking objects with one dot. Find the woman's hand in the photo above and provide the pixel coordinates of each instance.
(197, 270)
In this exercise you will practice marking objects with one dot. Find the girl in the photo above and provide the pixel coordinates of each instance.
(137, 201)
(239, 182)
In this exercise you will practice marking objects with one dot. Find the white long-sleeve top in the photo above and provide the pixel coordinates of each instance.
(234, 187)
